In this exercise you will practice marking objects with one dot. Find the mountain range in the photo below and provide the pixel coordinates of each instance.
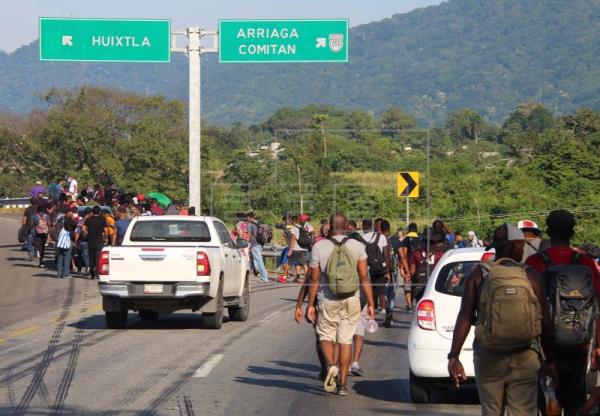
(488, 55)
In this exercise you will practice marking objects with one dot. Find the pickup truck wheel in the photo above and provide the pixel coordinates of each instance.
(240, 313)
(116, 320)
(148, 315)
(215, 320)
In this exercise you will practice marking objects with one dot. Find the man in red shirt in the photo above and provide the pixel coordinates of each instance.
(571, 361)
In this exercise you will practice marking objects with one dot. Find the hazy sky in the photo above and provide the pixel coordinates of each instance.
(19, 19)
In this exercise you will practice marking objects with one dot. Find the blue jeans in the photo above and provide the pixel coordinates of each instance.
(63, 262)
(84, 253)
(259, 264)
(390, 294)
(29, 243)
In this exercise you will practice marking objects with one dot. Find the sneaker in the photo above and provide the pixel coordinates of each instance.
(282, 279)
(357, 371)
(408, 309)
(264, 280)
(330, 383)
(387, 323)
(342, 390)
(67, 277)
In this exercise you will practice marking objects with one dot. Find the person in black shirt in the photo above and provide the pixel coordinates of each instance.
(410, 243)
(94, 229)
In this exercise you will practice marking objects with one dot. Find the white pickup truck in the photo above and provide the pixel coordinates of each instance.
(168, 263)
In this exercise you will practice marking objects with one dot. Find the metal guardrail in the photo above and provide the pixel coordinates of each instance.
(14, 202)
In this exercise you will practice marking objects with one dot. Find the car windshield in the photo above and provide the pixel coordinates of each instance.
(451, 278)
(170, 231)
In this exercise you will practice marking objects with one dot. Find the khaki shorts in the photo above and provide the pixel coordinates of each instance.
(338, 319)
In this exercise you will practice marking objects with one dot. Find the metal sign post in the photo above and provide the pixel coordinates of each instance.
(194, 51)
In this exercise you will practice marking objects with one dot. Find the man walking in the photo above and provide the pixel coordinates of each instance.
(505, 301)
(571, 357)
(410, 243)
(338, 269)
(256, 247)
(95, 229)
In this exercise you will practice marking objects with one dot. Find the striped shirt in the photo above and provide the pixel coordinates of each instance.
(64, 239)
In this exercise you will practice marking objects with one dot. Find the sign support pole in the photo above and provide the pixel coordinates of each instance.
(194, 51)
(195, 117)
(407, 211)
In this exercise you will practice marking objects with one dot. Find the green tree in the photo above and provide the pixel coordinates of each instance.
(464, 125)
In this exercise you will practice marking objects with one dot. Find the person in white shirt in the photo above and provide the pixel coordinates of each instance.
(72, 187)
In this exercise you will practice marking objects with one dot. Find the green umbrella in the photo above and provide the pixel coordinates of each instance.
(162, 199)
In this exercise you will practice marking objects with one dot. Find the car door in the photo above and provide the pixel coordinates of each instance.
(233, 261)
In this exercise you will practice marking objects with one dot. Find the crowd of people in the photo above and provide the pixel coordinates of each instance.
(349, 276)
(542, 327)
(79, 222)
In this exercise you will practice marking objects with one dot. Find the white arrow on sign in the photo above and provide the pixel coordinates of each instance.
(321, 43)
(67, 40)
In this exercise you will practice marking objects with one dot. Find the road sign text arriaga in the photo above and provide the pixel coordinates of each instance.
(105, 40)
(283, 40)
(408, 184)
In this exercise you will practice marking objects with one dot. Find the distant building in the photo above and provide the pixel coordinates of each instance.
(275, 149)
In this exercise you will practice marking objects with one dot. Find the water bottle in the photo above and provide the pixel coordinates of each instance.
(552, 405)
(371, 326)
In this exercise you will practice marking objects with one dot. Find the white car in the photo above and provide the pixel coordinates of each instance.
(433, 323)
(168, 263)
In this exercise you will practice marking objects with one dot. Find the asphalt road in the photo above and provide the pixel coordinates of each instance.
(57, 357)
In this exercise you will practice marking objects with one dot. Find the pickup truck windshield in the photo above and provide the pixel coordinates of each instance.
(170, 231)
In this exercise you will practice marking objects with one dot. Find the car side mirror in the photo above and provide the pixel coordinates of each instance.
(241, 244)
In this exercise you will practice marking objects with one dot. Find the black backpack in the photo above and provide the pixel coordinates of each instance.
(573, 307)
(264, 233)
(305, 239)
(375, 258)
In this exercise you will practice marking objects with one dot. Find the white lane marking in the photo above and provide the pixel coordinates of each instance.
(208, 366)
(269, 317)
(10, 219)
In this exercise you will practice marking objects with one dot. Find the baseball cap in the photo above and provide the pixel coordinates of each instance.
(560, 222)
(504, 234)
(304, 217)
(528, 225)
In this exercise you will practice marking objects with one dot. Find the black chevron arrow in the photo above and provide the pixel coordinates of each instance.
(410, 183)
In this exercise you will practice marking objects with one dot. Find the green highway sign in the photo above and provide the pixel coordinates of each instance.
(105, 40)
(283, 40)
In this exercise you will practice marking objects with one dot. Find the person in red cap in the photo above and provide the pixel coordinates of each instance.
(533, 239)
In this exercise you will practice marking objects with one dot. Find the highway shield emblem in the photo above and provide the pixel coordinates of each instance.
(336, 42)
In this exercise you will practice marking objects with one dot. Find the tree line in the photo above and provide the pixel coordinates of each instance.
(328, 158)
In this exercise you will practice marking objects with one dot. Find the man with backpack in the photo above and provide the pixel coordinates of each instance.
(378, 259)
(41, 228)
(256, 236)
(422, 263)
(572, 284)
(301, 238)
(338, 271)
(506, 303)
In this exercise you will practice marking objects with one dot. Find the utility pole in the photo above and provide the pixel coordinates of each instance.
(194, 51)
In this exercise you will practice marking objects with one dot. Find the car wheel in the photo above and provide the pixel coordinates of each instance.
(148, 315)
(116, 320)
(215, 320)
(240, 313)
(420, 389)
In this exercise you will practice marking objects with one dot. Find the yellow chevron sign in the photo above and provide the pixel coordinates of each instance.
(407, 184)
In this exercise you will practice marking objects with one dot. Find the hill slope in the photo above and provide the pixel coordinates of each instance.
(488, 55)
